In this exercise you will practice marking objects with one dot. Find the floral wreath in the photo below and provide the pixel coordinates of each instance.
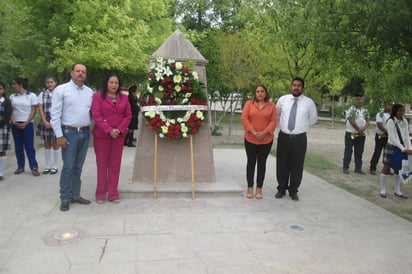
(173, 102)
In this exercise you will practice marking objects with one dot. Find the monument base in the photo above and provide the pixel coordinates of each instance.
(226, 184)
(173, 159)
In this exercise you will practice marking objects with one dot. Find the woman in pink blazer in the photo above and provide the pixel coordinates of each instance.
(111, 113)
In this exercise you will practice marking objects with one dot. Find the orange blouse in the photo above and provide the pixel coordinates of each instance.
(262, 119)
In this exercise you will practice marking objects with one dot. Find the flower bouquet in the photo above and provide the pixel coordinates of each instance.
(173, 102)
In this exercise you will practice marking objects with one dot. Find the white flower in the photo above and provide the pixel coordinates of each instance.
(172, 121)
(199, 114)
(177, 88)
(164, 129)
(151, 114)
(159, 75)
(149, 89)
(162, 116)
(187, 95)
(168, 71)
(161, 135)
(159, 59)
(170, 61)
(184, 135)
(184, 128)
(158, 101)
(184, 101)
(187, 115)
(195, 75)
(179, 120)
(177, 79)
(161, 88)
(179, 66)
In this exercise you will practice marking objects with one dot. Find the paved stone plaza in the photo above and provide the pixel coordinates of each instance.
(327, 231)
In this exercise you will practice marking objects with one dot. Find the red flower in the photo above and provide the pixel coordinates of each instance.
(185, 69)
(194, 130)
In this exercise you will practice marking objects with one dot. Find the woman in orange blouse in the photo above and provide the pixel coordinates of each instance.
(259, 119)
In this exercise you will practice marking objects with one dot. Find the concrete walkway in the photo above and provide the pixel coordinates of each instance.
(328, 231)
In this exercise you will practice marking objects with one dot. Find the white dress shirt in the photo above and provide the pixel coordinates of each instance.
(393, 136)
(359, 114)
(382, 117)
(306, 114)
(70, 107)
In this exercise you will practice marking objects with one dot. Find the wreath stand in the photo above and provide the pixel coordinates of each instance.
(192, 164)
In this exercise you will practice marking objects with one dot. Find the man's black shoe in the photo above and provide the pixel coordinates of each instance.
(65, 206)
(279, 195)
(359, 171)
(294, 197)
(19, 171)
(81, 201)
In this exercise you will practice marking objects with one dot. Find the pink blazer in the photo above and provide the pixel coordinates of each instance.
(108, 116)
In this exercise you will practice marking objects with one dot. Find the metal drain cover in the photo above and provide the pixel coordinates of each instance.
(62, 237)
(296, 228)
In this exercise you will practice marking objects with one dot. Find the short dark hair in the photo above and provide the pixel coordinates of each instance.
(300, 80)
(22, 81)
(77, 64)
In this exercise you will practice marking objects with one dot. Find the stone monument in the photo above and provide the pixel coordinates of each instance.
(173, 158)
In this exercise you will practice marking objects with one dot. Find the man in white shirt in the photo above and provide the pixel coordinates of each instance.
(381, 137)
(70, 119)
(357, 121)
(296, 114)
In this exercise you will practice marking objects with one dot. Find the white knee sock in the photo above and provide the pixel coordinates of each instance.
(2, 164)
(47, 157)
(397, 181)
(56, 158)
(383, 183)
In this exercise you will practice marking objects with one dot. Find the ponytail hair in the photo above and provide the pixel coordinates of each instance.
(395, 108)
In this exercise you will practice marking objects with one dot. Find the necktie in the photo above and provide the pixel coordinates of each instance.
(292, 116)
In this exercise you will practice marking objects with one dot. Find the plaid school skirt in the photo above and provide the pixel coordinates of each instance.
(388, 152)
(4, 139)
(46, 134)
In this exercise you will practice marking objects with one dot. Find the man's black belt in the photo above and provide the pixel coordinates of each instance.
(293, 135)
(78, 129)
